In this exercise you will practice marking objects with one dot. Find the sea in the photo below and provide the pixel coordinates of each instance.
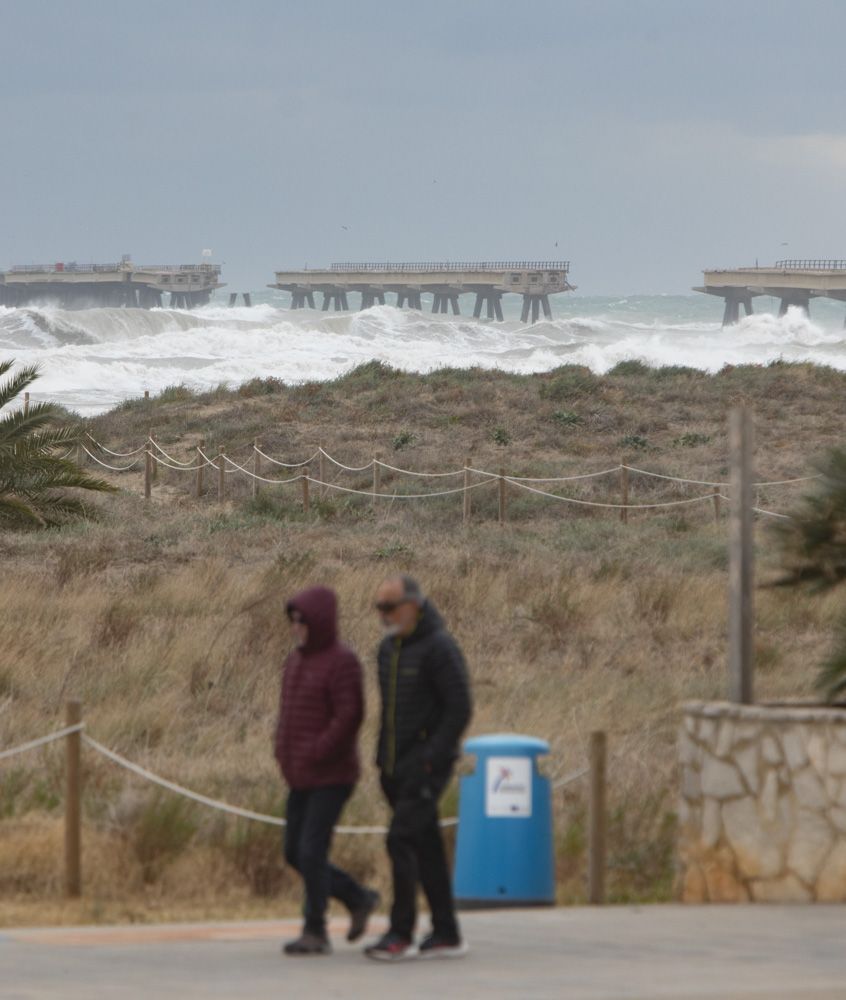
(91, 359)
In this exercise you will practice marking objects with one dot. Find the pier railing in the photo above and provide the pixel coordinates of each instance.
(496, 265)
(811, 265)
(73, 268)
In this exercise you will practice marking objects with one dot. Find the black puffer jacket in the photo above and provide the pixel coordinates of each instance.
(426, 701)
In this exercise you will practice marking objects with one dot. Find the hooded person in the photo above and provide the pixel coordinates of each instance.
(320, 713)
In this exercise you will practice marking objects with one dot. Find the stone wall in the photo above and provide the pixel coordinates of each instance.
(762, 814)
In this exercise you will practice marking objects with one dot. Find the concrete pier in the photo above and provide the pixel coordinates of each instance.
(125, 285)
(792, 282)
(445, 282)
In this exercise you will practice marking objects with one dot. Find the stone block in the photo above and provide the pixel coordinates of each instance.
(780, 890)
(831, 882)
(694, 888)
(771, 751)
(690, 724)
(818, 753)
(808, 790)
(768, 800)
(689, 752)
(834, 789)
(706, 730)
(725, 739)
(720, 780)
(812, 840)
(837, 815)
(756, 853)
(712, 824)
(794, 749)
(691, 785)
(747, 761)
(837, 760)
(722, 885)
(746, 732)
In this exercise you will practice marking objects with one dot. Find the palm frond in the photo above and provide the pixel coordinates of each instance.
(17, 383)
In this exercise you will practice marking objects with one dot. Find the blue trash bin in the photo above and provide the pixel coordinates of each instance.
(504, 851)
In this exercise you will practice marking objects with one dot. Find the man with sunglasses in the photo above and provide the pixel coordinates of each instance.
(320, 713)
(426, 706)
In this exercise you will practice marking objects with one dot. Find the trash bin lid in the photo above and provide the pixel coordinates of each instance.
(507, 744)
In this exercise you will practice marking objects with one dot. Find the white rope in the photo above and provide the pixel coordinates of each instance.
(60, 734)
(288, 465)
(170, 458)
(172, 786)
(346, 468)
(115, 454)
(178, 468)
(397, 496)
(616, 506)
(263, 479)
(421, 475)
(706, 482)
(551, 479)
(570, 778)
(760, 510)
(114, 468)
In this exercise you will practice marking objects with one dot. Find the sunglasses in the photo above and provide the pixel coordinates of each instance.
(386, 607)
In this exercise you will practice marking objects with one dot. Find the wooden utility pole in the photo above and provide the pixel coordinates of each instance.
(502, 496)
(73, 803)
(597, 821)
(221, 474)
(256, 467)
(741, 560)
(305, 478)
(148, 471)
(201, 466)
(377, 479)
(321, 471)
(624, 492)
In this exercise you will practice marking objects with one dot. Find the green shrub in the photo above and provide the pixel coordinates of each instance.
(568, 381)
(163, 830)
(627, 368)
(566, 418)
(691, 440)
(500, 436)
(403, 440)
(634, 442)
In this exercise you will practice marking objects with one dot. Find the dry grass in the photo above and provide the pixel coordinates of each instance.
(166, 619)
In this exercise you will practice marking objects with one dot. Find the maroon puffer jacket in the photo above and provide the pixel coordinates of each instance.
(322, 703)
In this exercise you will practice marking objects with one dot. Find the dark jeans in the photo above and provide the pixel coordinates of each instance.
(416, 849)
(311, 815)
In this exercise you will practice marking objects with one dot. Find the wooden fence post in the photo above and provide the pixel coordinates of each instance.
(155, 465)
(73, 803)
(221, 474)
(624, 490)
(148, 470)
(377, 479)
(597, 822)
(502, 496)
(201, 466)
(717, 504)
(466, 498)
(305, 478)
(321, 471)
(741, 560)
(256, 467)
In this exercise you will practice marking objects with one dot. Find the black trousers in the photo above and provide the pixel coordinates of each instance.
(311, 817)
(416, 850)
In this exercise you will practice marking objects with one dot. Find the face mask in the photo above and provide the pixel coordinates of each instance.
(390, 630)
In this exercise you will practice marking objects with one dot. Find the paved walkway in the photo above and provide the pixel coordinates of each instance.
(649, 953)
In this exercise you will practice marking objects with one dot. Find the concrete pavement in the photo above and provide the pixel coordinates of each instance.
(631, 953)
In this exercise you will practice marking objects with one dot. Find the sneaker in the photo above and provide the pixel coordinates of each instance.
(308, 944)
(359, 917)
(438, 947)
(392, 948)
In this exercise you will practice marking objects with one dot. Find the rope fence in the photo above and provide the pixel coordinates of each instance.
(74, 734)
(154, 456)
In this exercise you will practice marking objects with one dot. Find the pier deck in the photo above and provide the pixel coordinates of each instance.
(792, 282)
(445, 281)
(124, 284)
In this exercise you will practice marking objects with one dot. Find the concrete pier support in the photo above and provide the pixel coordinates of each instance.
(442, 301)
(493, 302)
(408, 297)
(336, 299)
(533, 304)
(301, 297)
(734, 300)
(801, 300)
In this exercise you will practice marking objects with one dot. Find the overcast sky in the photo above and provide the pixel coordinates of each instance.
(647, 138)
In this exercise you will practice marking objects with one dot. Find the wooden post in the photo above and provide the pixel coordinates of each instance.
(377, 479)
(155, 464)
(467, 502)
(256, 467)
(597, 823)
(741, 560)
(502, 496)
(73, 803)
(321, 471)
(717, 504)
(305, 477)
(26, 403)
(146, 395)
(201, 467)
(221, 474)
(624, 491)
(148, 471)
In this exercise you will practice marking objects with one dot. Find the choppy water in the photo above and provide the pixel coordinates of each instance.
(91, 359)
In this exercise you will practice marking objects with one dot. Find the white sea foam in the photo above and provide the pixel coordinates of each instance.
(93, 358)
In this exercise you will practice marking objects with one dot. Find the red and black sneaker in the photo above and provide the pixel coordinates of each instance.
(438, 947)
(392, 948)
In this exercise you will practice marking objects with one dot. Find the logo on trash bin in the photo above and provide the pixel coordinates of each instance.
(508, 789)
